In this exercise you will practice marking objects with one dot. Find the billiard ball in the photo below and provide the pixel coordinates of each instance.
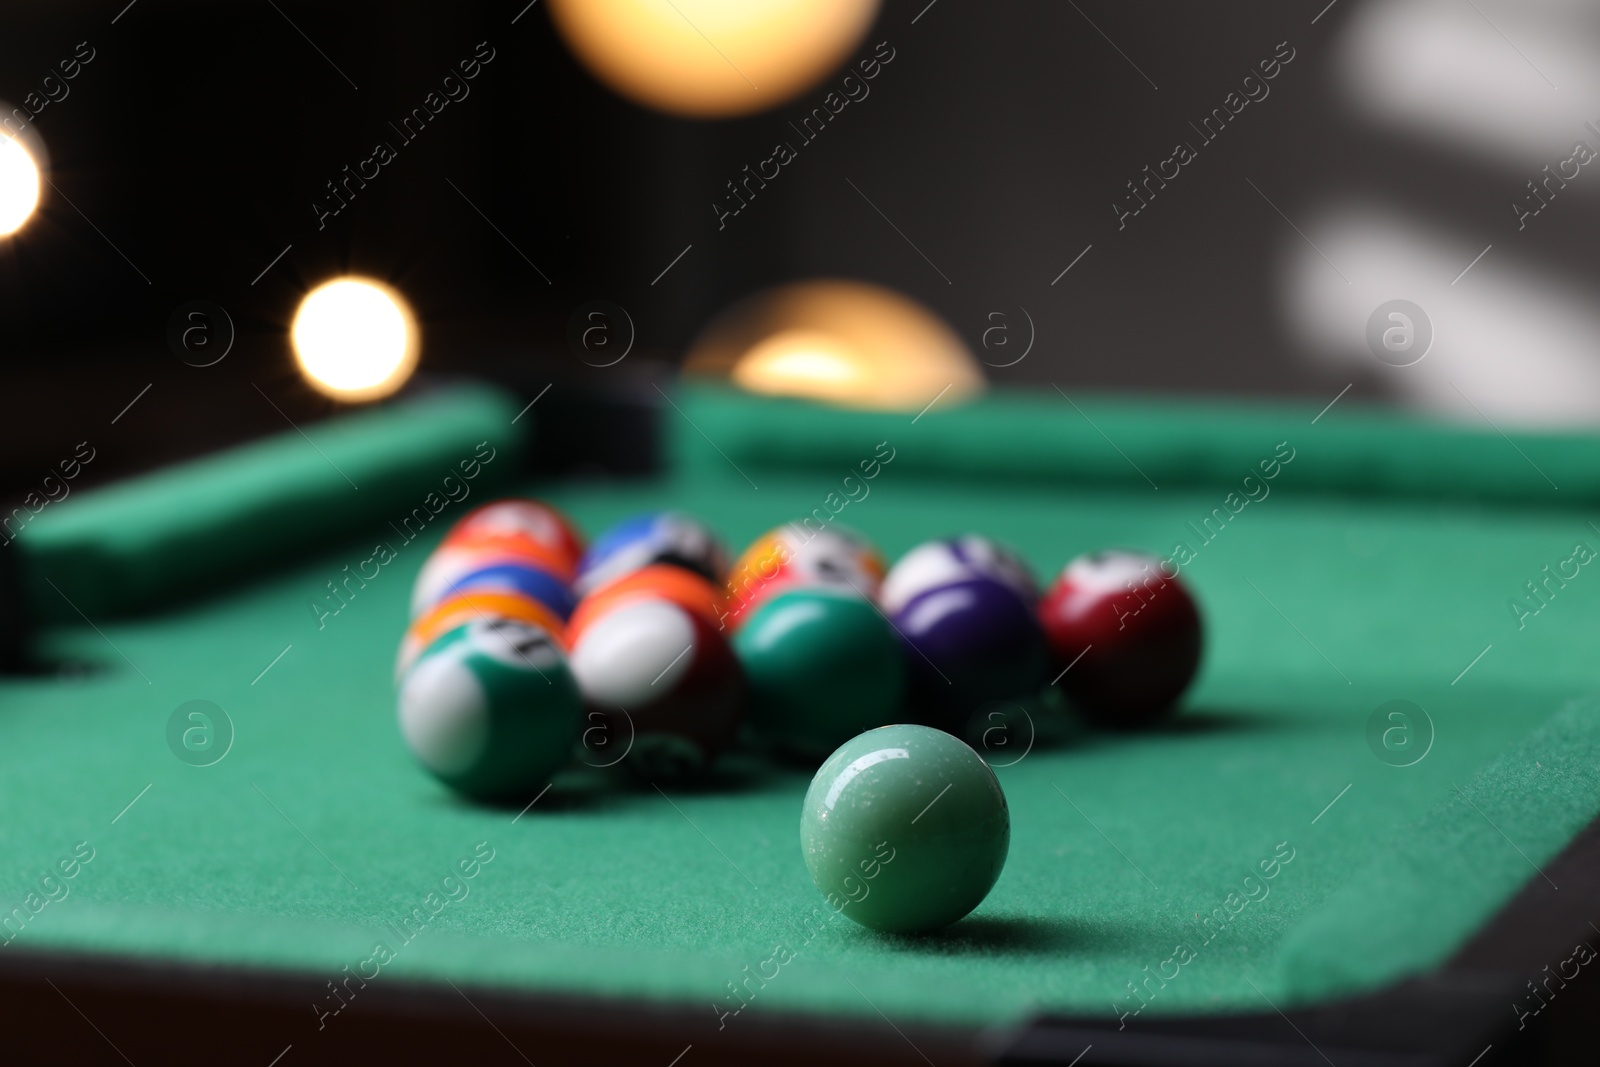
(450, 563)
(971, 643)
(1127, 634)
(665, 684)
(511, 576)
(661, 537)
(660, 580)
(796, 556)
(935, 563)
(823, 664)
(491, 709)
(905, 829)
(517, 523)
(481, 605)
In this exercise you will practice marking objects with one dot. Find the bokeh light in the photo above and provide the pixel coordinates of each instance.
(804, 362)
(710, 58)
(840, 342)
(19, 184)
(355, 339)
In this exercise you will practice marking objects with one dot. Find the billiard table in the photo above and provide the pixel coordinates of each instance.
(1345, 847)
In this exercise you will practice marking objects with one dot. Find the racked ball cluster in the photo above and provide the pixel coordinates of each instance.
(662, 657)
(504, 668)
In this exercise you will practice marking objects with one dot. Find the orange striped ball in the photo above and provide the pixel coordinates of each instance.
(469, 607)
(662, 581)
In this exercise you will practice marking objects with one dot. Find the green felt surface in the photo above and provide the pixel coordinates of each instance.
(316, 833)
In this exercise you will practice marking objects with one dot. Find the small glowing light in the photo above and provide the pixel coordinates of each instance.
(710, 58)
(355, 339)
(845, 343)
(19, 185)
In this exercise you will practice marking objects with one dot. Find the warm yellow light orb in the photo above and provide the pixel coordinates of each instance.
(840, 342)
(19, 185)
(710, 58)
(355, 339)
(802, 363)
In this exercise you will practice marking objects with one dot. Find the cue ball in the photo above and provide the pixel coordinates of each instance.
(823, 665)
(905, 829)
(491, 709)
(1140, 627)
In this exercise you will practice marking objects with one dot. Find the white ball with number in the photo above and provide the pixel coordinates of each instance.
(491, 708)
(938, 563)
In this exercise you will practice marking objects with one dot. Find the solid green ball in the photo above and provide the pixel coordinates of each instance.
(822, 666)
(905, 829)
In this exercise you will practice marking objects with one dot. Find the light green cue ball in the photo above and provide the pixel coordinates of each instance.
(491, 709)
(905, 829)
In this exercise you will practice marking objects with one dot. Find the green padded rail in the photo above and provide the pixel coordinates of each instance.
(1041, 436)
(197, 525)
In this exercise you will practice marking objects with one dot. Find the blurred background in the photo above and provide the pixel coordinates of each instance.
(1015, 170)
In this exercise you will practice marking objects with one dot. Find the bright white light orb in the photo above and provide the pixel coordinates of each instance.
(19, 185)
(355, 339)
